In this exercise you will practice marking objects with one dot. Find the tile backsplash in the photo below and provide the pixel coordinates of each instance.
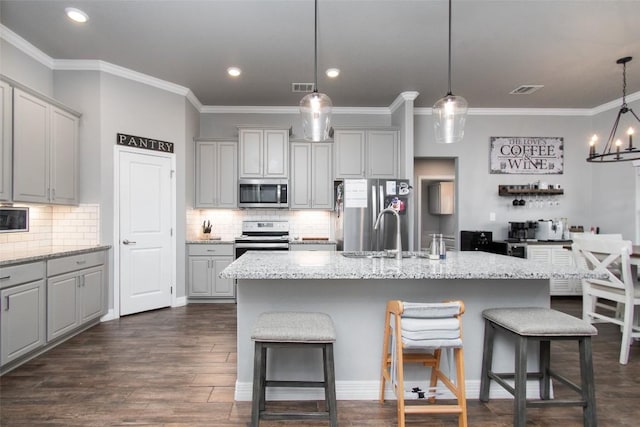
(56, 226)
(228, 223)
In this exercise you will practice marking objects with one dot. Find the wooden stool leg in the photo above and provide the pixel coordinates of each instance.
(385, 354)
(520, 396)
(487, 358)
(257, 399)
(545, 363)
(462, 392)
(330, 384)
(588, 384)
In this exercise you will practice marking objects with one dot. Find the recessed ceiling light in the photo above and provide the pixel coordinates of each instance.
(76, 15)
(234, 71)
(332, 73)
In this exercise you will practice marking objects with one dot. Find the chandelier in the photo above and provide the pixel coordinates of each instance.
(615, 149)
(315, 108)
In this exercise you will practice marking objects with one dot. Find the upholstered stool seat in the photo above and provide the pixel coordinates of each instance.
(293, 329)
(542, 325)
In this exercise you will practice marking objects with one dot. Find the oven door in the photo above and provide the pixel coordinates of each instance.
(242, 247)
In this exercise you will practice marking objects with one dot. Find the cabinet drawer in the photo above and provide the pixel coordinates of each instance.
(22, 273)
(74, 262)
(220, 249)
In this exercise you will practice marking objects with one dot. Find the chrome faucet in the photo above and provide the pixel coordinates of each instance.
(398, 238)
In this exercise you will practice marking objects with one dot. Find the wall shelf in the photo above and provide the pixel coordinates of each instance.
(514, 190)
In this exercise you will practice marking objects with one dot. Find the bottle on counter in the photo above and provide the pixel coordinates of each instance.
(442, 249)
(434, 249)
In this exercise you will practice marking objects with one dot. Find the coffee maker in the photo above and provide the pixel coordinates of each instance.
(522, 231)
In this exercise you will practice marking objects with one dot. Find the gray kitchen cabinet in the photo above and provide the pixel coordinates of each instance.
(22, 310)
(45, 151)
(75, 292)
(311, 175)
(205, 262)
(367, 153)
(216, 181)
(264, 153)
(556, 255)
(441, 198)
(6, 140)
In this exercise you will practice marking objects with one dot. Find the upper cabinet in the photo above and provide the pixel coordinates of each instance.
(367, 153)
(216, 174)
(264, 153)
(6, 135)
(45, 150)
(311, 175)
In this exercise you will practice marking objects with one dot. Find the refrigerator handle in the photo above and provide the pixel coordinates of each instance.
(374, 204)
(381, 188)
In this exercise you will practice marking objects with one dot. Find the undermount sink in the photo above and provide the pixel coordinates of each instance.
(378, 254)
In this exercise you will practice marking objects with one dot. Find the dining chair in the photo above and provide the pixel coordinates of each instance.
(610, 256)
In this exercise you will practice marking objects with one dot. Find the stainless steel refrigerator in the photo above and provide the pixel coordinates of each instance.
(357, 205)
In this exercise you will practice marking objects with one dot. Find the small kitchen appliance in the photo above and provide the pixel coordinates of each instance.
(549, 230)
(263, 193)
(475, 240)
(522, 231)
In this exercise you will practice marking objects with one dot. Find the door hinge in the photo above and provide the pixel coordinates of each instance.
(171, 290)
(171, 173)
(171, 232)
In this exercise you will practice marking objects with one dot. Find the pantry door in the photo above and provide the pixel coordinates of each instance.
(145, 223)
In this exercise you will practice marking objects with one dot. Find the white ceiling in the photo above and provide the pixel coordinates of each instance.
(382, 47)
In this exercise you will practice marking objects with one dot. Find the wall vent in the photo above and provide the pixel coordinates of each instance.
(302, 87)
(525, 89)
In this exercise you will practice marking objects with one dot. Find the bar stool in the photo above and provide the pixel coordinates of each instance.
(542, 325)
(291, 330)
(417, 333)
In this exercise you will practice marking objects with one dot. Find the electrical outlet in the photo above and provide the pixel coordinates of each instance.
(492, 216)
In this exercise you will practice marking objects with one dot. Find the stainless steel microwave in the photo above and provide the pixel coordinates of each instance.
(263, 193)
(14, 219)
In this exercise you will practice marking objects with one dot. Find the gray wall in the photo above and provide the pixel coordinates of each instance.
(478, 189)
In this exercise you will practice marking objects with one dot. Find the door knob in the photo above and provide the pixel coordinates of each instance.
(128, 242)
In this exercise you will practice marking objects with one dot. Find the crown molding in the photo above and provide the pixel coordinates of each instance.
(98, 65)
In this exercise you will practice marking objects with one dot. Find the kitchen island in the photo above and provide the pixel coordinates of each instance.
(354, 290)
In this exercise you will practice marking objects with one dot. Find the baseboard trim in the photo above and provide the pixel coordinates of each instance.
(369, 390)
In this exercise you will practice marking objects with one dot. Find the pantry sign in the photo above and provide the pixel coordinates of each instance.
(526, 155)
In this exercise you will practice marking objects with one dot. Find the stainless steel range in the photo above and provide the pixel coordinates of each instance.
(263, 236)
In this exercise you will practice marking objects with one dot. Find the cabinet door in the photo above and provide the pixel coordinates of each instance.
(349, 153)
(564, 257)
(205, 183)
(30, 148)
(92, 298)
(539, 254)
(250, 153)
(227, 175)
(222, 287)
(382, 153)
(22, 320)
(321, 176)
(6, 140)
(276, 154)
(62, 303)
(300, 193)
(199, 284)
(63, 155)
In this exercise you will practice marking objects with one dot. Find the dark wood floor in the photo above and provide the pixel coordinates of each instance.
(176, 367)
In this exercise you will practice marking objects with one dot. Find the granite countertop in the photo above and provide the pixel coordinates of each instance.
(311, 241)
(333, 265)
(46, 252)
(209, 242)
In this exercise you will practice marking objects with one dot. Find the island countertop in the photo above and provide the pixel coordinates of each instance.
(334, 265)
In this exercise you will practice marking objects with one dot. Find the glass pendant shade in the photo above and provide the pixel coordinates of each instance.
(315, 110)
(449, 115)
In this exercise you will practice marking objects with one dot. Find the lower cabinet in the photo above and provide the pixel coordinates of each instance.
(205, 262)
(22, 310)
(73, 299)
(556, 255)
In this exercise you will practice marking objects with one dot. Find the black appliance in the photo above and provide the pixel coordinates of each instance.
(475, 240)
(262, 236)
(522, 231)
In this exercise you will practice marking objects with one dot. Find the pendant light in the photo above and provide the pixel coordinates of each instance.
(315, 108)
(449, 112)
(616, 151)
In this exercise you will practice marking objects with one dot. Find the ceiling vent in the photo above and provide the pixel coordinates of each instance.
(525, 89)
(301, 87)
